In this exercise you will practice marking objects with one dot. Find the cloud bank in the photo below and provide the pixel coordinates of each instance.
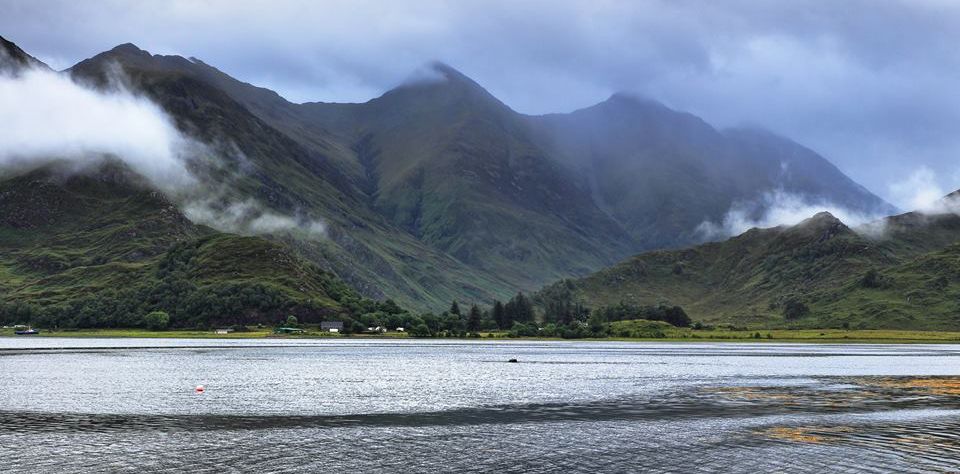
(776, 208)
(251, 218)
(920, 191)
(48, 118)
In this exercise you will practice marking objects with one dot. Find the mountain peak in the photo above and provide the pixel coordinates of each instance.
(625, 98)
(822, 226)
(129, 48)
(13, 59)
(438, 73)
(439, 83)
(823, 216)
(631, 104)
(447, 70)
(129, 56)
(126, 53)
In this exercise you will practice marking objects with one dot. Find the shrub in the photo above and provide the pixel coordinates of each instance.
(794, 309)
(674, 315)
(420, 330)
(156, 320)
(871, 279)
(524, 330)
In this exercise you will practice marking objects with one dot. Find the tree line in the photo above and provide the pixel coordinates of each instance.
(173, 301)
(561, 316)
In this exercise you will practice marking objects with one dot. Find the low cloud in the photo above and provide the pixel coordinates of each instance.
(51, 119)
(920, 192)
(776, 208)
(250, 218)
(922, 195)
(48, 117)
(427, 74)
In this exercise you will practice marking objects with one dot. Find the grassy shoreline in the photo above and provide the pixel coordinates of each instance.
(679, 335)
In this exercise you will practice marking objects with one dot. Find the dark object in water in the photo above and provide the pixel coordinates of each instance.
(28, 332)
(513, 361)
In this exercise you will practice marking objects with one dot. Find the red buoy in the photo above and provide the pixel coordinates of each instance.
(199, 389)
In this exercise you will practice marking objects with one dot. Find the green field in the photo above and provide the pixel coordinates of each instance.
(253, 333)
(668, 334)
(811, 335)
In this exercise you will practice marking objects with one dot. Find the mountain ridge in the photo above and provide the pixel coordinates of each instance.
(437, 190)
(13, 59)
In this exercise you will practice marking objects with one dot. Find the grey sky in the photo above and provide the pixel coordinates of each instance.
(869, 84)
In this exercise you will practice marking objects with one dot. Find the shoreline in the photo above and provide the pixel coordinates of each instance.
(831, 336)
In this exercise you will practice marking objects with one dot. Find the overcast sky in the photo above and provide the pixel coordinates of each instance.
(872, 85)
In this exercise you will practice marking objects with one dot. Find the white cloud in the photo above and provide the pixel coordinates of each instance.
(250, 218)
(48, 117)
(774, 209)
(920, 191)
(425, 74)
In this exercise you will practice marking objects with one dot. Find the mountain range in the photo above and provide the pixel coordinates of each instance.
(434, 191)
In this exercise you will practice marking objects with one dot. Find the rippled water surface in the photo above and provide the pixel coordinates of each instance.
(123, 405)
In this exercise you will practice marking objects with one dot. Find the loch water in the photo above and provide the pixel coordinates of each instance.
(365, 405)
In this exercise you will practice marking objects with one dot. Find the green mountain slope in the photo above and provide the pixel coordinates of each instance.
(457, 168)
(819, 273)
(100, 249)
(294, 176)
(921, 293)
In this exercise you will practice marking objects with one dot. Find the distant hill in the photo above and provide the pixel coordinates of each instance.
(438, 191)
(900, 272)
(97, 249)
(661, 173)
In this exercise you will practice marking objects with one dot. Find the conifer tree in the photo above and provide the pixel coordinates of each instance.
(499, 314)
(474, 318)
